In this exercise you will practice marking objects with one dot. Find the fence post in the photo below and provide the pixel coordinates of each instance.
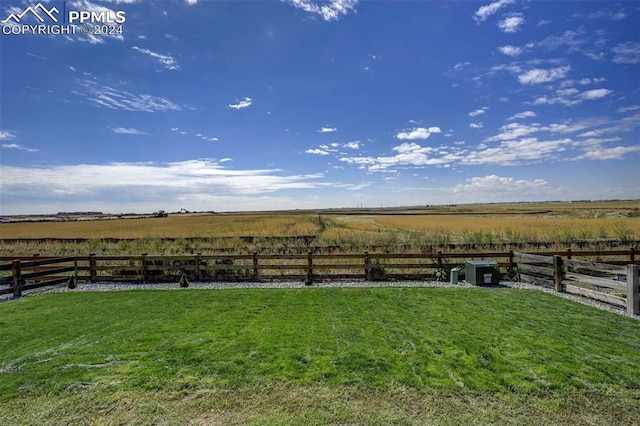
(36, 255)
(145, 267)
(633, 290)
(197, 266)
(367, 269)
(510, 267)
(17, 278)
(92, 268)
(557, 273)
(310, 264)
(255, 266)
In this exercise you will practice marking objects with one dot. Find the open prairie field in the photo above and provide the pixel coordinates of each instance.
(355, 229)
(173, 226)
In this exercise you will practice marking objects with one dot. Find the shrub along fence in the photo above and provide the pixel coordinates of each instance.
(610, 282)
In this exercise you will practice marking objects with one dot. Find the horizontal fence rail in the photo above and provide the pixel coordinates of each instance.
(612, 277)
(605, 282)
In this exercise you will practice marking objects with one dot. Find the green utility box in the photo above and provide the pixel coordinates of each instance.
(481, 272)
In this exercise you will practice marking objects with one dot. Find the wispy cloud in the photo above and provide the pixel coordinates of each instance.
(510, 50)
(524, 114)
(478, 112)
(109, 97)
(329, 11)
(537, 75)
(6, 135)
(495, 184)
(407, 154)
(417, 133)
(317, 151)
(484, 12)
(476, 125)
(600, 152)
(628, 108)
(572, 96)
(203, 176)
(128, 131)
(626, 53)
(327, 129)
(167, 61)
(109, 16)
(18, 147)
(245, 103)
(511, 24)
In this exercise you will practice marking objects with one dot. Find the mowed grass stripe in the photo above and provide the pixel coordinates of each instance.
(452, 341)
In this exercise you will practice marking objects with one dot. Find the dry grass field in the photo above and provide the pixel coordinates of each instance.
(353, 229)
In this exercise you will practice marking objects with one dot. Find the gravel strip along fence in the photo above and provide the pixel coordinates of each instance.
(111, 286)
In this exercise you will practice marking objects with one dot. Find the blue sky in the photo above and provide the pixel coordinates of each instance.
(252, 105)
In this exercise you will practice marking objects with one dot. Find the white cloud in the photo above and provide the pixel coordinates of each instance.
(586, 80)
(476, 125)
(108, 97)
(352, 145)
(572, 96)
(461, 65)
(327, 129)
(627, 53)
(109, 16)
(317, 151)
(493, 184)
(524, 114)
(575, 41)
(537, 75)
(166, 60)
(478, 112)
(417, 133)
(621, 109)
(599, 152)
(528, 150)
(511, 24)
(18, 147)
(242, 104)
(514, 131)
(486, 11)
(510, 50)
(407, 154)
(128, 131)
(595, 94)
(6, 135)
(191, 2)
(329, 11)
(116, 183)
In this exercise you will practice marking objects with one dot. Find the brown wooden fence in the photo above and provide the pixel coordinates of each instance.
(568, 274)
(606, 282)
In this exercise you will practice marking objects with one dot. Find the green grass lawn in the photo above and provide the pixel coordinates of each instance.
(316, 356)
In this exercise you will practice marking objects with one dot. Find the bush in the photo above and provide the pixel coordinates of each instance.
(441, 274)
(72, 282)
(308, 279)
(376, 271)
(184, 282)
